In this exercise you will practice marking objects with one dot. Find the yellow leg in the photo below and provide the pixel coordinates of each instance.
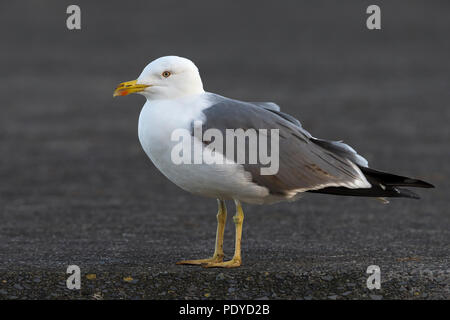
(236, 260)
(218, 251)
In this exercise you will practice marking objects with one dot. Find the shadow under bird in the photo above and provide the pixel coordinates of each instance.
(176, 100)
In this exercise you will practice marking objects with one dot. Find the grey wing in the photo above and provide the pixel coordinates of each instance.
(303, 163)
(273, 107)
(337, 147)
(267, 105)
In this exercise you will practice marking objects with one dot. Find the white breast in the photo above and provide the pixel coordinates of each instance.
(157, 121)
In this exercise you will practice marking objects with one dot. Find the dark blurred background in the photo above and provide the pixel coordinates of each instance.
(76, 188)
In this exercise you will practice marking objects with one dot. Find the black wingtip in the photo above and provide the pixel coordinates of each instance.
(394, 180)
(418, 183)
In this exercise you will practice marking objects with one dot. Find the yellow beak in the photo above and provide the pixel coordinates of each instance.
(128, 87)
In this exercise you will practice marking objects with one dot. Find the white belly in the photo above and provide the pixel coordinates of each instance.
(157, 121)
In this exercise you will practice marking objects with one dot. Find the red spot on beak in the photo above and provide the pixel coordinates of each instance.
(124, 93)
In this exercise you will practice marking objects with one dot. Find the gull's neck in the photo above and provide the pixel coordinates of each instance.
(178, 98)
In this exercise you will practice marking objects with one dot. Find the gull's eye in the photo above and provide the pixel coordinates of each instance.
(166, 74)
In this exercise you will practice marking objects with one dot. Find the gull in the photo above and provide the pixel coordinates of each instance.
(176, 100)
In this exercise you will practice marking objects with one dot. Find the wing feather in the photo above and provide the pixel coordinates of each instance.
(303, 164)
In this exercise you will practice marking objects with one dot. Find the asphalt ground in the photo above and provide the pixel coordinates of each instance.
(76, 188)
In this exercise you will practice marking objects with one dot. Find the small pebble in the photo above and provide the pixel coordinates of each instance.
(220, 276)
(18, 286)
